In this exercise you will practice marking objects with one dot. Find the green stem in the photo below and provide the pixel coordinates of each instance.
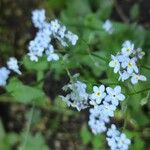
(28, 127)
(141, 91)
(145, 67)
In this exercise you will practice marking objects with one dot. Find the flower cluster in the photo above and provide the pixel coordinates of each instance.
(77, 96)
(105, 103)
(125, 63)
(107, 26)
(12, 64)
(48, 31)
(117, 140)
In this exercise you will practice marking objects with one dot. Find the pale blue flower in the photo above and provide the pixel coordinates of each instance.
(38, 17)
(114, 95)
(97, 95)
(114, 63)
(4, 74)
(77, 96)
(107, 26)
(117, 140)
(127, 48)
(136, 77)
(130, 65)
(12, 64)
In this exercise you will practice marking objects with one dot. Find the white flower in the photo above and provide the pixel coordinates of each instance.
(61, 31)
(33, 57)
(47, 32)
(96, 122)
(127, 48)
(117, 140)
(125, 63)
(123, 142)
(113, 132)
(99, 116)
(107, 26)
(55, 26)
(38, 18)
(123, 75)
(114, 63)
(71, 37)
(12, 64)
(98, 95)
(136, 77)
(114, 95)
(139, 53)
(50, 54)
(77, 96)
(131, 66)
(4, 74)
(112, 143)
(108, 109)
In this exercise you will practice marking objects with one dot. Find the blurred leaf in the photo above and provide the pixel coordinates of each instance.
(134, 11)
(23, 93)
(7, 140)
(41, 65)
(85, 135)
(97, 142)
(35, 142)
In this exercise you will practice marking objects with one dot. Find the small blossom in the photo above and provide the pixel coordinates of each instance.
(123, 75)
(77, 96)
(115, 63)
(47, 32)
(127, 48)
(131, 66)
(99, 116)
(98, 95)
(72, 37)
(114, 95)
(136, 77)
(50, 54)
(54, 26)
(123, 142)
(4, 74)
(61, 31)
(96, 122)
(12, 64)
(38, 18)
(117, 140)
(113, 132)
(139, 53)
(107, 26)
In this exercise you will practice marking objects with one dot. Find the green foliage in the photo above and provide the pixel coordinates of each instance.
(85, 135)
(23, 93)
(33, 142)
(41, 65)
(7, 140)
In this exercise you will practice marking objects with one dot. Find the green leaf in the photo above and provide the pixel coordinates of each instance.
(134, 11)
(7, 140)
(41, 65)
(36, 142)
(85, 135)
(23, 93)
(97, 142)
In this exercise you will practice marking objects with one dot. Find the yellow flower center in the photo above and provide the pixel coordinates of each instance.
(128, 49)
(130, 64)
(98, 93)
